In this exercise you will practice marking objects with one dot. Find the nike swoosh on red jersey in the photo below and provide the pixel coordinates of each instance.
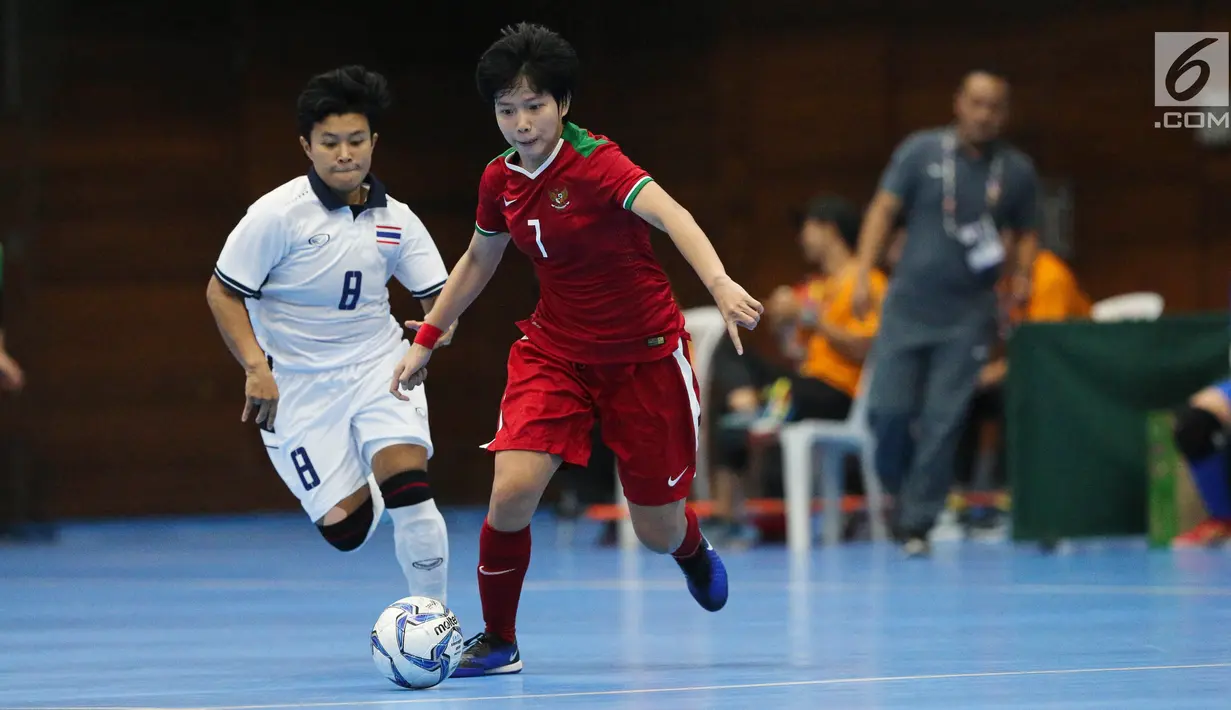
(492, 574)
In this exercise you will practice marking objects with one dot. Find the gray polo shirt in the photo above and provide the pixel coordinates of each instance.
(933, 287)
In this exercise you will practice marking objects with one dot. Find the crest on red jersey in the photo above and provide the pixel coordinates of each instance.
(559, 197)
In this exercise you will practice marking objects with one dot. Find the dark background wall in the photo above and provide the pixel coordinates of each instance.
(140, 131)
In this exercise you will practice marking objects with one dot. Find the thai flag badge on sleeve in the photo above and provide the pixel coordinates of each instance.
(386, 234)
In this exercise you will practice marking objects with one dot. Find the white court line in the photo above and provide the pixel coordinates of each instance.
(627, 585)
(1143, 589)
(685, 689)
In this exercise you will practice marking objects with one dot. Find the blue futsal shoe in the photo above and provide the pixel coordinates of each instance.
(488, 655)
(707, 577)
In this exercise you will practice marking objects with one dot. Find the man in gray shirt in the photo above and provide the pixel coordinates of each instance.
(967, 199)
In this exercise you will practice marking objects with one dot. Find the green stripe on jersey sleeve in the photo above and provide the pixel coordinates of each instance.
(484, 232)
(632, 194)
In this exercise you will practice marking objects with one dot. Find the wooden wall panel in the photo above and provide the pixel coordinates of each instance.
(158, 133)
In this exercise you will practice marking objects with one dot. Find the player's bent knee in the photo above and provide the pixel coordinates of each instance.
(1198, 433)
(521, 478)
(660, 528)
(511, 508)
(350, 532)
(656, 541)
(393, 458)
(1213, 400)
(407, 488)
(335, 515)
(659, 537)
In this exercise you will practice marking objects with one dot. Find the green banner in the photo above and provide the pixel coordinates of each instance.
(1077, 399)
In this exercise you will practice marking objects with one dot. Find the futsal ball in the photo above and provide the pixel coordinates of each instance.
(416, 642)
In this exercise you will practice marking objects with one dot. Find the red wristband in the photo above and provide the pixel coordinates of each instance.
(428, 335)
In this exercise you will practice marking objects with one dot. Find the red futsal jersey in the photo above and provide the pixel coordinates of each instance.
(604, 298)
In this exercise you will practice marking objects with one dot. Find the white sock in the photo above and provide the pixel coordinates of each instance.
(422, 544)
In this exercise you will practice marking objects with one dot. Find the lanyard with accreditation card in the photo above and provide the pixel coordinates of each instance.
(948, 172)
(981, 238)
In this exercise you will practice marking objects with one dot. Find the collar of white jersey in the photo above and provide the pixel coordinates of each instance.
(536, 173)
(377, 197)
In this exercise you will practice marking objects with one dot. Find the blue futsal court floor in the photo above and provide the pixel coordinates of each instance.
(259, 613)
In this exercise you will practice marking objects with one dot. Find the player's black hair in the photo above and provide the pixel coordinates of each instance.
(545, 59)
(831, 209)
(349, 89)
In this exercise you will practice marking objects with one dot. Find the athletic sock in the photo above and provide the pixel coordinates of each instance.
(420, 537)
(691, 555)
(503, 560)
(422, 544)
(692, 537)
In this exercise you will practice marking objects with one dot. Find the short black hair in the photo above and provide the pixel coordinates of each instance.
(545, 59)
(835, 210)
(349, 89)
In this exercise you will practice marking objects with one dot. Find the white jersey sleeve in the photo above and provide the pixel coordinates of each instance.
(420, 268)
(251, 251)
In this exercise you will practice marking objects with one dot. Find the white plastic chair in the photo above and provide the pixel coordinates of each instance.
(835, 439)
(706, 327)
(1141, 305)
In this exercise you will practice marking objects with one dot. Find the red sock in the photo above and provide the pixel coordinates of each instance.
(692, 536)
(503, 559)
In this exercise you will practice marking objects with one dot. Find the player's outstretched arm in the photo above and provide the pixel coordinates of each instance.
(428, 304)
(655, 206)
(261, 393)
(468, 279)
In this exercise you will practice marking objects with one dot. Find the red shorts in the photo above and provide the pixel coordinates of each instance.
(648, 410)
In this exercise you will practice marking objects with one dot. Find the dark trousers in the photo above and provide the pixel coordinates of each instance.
(987, 406)
(917, 406)
(25, 492)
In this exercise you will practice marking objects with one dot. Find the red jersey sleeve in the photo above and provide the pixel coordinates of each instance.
(488, 219)
(618, 180)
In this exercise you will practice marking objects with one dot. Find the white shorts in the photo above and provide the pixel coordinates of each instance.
(330, 424)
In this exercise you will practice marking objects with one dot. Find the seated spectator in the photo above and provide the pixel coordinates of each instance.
(1049, 292)
(1201, 436)
(821, 334)
(1052, 292)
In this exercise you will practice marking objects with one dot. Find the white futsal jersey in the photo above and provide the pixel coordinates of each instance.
(314, 272)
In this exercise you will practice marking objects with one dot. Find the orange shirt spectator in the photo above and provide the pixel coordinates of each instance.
(826, 338)
(1053, 296)
(1054, 293)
